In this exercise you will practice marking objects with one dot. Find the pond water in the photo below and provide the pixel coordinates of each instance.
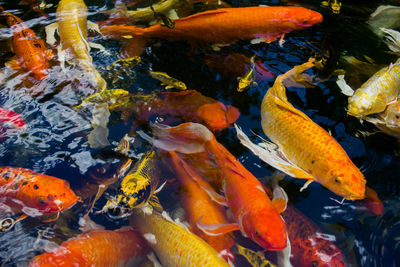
(55, 141)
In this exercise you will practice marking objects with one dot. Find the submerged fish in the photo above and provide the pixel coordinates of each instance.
(34, 194)
(378, 91)
(333, 5)
(188, 105)
(389, 120)
(199, 207)
(168, 80)
(300, 147)
(30, 51)
(98, 248)
(256, 216)
(249, 79)
(309, 245)
(11, 118)
(174, 244)
(109, 96)
(227, 25)
(72, 26)
(137, 188)
(385, 16)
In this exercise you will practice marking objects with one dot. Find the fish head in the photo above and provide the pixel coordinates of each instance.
(392, 115)
(303, 17)
(49, 195)
(180, 85)
(347, 181)
(216, 116)
(361, 104)
(271, 235)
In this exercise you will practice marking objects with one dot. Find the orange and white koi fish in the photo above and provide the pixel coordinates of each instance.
(34, 194)
(255, 214)
(199, 207)
(226, 25)
(174, 244)
(98, 248)
(72, 26)
(30, 51)
(300, 147)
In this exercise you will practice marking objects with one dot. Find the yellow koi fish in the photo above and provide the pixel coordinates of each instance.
(378, 91)
(333, 5)
(389, 120)
(300, 147)
(167, 80)
(248, 80)
(137, 188)
(174, 244)
(109, 96)
(74, 46)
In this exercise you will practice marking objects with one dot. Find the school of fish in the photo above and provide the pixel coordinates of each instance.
(174, 192)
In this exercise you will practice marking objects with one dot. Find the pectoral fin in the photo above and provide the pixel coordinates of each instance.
(14, 64)
(280, 198)
(93, 26)
(344, 87)
(216, 228)
(50, 33)
(270, 153)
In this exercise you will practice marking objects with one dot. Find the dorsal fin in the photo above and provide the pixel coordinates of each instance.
(205, 14)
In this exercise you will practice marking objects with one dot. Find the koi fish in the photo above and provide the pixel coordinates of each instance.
(300, 147)
(236, 65)
(389, 120)
(228, 25)
(256, 259)
(74, 47)
(188, 105)
(174, 244)
(34, 194)
(333, 5)
(385, 16)
(137, 188)
(30, 51)
(247, 80)
(168, 80)
(309, 246)
(98, 248)
(256, 216)
(11, 118)
(372, 203)
(378, 91)
(104, 96)
(199, 207)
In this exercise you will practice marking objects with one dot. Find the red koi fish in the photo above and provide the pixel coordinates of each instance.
(309, 246)
(188, 105)
(31, 52)
(34, 194)
(371, 203)
(227, 25)
(98, 248)
(199, 207)
(255, 214)
(11, 118)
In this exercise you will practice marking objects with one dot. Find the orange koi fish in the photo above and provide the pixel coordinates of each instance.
(305, 150)
(188, 105)
(34, 194)
(255, 214)
(98, 248)
(199, 207)
(309, 245)
(31, 52)
(227, 25)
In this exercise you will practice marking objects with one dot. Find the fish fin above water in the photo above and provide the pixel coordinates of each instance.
(216, 229)
(14, 64)
(270, 153)
(50, 33)
(344, 87)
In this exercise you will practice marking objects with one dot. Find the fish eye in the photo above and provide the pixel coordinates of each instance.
(257, 233)
(338, 180)
(41, 200)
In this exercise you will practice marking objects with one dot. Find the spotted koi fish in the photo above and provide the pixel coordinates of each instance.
(30, 51)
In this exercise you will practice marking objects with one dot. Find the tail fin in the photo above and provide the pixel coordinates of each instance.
(392, 40)
(185, 138)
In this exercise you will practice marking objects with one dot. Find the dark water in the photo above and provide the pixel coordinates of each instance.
(55, 142)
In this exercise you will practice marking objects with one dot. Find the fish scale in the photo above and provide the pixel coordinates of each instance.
(176, 246)
(307, 145)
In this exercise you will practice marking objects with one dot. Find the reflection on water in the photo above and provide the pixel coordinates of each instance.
(55, 140)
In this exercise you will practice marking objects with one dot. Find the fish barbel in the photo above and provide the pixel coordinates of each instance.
(98, 248)
(227, 25)
(174, 244)
(300, 147)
